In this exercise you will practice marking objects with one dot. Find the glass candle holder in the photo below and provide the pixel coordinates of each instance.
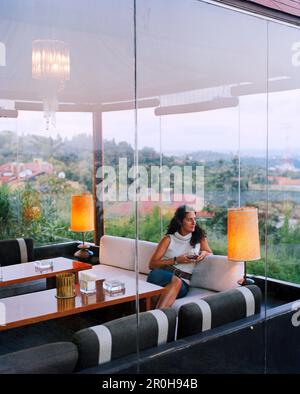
(65, 304)
(87, 286)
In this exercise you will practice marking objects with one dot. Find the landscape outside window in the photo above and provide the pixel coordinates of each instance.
(119, 216)
(39, 171)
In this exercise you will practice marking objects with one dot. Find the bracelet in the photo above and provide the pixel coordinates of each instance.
(175, 260)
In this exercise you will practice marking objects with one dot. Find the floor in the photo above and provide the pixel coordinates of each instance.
(272, 302)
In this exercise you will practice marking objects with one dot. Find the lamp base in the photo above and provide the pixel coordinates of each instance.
(246, 281)
(83, 253)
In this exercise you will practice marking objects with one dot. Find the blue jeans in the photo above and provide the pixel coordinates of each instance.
(163, 277)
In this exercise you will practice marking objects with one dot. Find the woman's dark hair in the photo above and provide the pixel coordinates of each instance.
(176, 223)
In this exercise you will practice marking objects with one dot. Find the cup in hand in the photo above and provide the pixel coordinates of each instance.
(192, 255)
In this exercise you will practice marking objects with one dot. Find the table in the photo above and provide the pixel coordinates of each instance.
(26, 272)
(41, 306)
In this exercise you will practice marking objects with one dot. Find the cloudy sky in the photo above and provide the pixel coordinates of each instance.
(216, 130)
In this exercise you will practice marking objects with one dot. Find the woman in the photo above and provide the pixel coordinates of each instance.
(173, 261)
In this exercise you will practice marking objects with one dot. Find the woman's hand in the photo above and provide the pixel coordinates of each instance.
(183, 259)
(203, 254)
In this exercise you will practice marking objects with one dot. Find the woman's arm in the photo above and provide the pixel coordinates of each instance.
(205, 249)
(156, 259)
(204, 245)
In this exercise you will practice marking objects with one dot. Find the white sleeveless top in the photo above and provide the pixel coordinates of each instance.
(180, 244)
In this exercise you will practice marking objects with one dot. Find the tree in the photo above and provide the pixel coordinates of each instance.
(45, 147)
(4, 211)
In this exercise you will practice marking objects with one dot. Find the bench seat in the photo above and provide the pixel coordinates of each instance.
(214, 274)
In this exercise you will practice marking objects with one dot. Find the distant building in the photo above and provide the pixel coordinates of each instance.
(146, 207)
(284, 181)
(284, 167)
(12, 173)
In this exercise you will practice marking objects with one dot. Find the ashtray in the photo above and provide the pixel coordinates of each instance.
(42, 265)
(114, 287)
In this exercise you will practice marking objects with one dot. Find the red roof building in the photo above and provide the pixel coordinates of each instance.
(11, 173)
(284, 181)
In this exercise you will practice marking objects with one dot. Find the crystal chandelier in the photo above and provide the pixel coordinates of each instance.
(50, 65)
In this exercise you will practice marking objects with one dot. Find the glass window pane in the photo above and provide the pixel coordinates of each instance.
(283, 269)
(209, 136)
(67, 89)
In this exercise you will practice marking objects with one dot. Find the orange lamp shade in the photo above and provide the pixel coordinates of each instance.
(82, 213)
(243, 234)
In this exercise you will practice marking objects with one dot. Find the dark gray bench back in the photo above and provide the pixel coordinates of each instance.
(53, 358)
(14, 251)
(118, 338)
(218, 309)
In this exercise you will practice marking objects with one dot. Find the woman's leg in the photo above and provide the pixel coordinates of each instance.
(170, 293)
(171, 283)
(184, 289)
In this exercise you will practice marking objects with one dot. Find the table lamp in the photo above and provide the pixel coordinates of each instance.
(82, 220)
(243, 237)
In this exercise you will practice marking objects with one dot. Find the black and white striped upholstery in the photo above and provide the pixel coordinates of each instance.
(217, 309)
(101, 344)
(14, 251)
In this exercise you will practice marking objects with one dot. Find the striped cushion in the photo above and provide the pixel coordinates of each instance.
(14, 251)
(101, 344)
(217, 309)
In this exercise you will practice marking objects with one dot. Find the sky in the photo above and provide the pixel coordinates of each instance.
(219, 130)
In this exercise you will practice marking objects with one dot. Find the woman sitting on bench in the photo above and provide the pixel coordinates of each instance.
(172, 263)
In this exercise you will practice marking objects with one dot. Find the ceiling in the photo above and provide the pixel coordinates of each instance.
(181, 47)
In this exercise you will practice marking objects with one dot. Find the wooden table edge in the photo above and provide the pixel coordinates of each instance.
(84, 308)
(43, 276)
